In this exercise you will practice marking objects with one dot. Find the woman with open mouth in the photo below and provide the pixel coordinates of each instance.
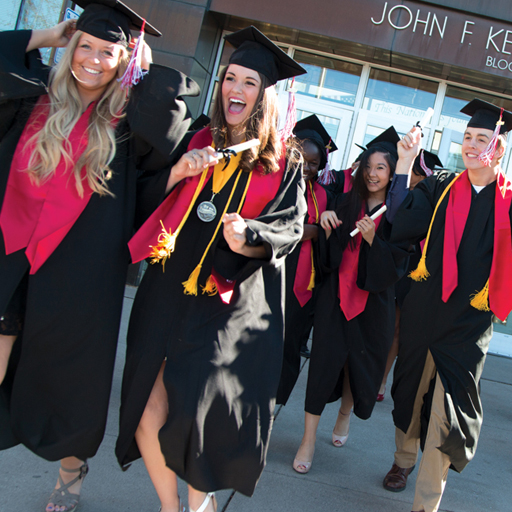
(206, 332)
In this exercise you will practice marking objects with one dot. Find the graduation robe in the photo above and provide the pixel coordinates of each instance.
(55, 396)
(363, 341)
(456, 333)
(223, 360)
(298, 319)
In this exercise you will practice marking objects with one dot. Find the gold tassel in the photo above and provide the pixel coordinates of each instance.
(480, 300)
(162, 251)
(210, 288)
(311, 284)
(421, 273)
(190, 284)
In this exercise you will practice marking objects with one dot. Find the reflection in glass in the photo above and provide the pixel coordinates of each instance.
(9, 14)
(455, 162)
(328, 79)
(400, 97)
(331, 124)
(456, 98)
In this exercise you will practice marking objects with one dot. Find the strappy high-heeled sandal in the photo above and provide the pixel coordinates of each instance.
(61, 497)
(209, 496)
(182, 507)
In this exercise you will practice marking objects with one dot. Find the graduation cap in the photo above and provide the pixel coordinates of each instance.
(490, 117)
(385, 142)
(111, 20)
(310, 128)
(426, 162)
(256, 51)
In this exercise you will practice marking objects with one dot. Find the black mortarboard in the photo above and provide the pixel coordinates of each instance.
(386, 141)
(256, 51)
(429, 160)
(111, 20)
(486, 115)
(311, 128)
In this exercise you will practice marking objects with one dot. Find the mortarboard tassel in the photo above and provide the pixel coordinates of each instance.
(327, 176)
(480, 300)
(134, 72)
(311, 284)
(291, 115)
(486, 156)
(423, 165)
(210, 288)
(420, 273)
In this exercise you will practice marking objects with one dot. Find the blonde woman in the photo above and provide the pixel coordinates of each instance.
(206, 336)
(71, 147)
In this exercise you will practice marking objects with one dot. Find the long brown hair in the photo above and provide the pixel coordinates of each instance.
(262, 125)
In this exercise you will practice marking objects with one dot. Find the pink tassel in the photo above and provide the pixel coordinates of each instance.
(327, 176)
(291, 115)
(134, 72)
(486, 156)
(423, 165)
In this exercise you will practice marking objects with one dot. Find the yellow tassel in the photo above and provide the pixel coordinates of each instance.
(480, 300)
(162, 251)
(421, 273)
(311, 284)
(190, 285)
(210, 288)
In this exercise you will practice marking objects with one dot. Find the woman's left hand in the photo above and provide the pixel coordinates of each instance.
(234, 232)
(367, 228)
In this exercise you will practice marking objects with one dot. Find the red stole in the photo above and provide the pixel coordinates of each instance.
(305, 264)
(38, 217)
(352, 298)
(500, 280)
(262, 189)
(347, 182)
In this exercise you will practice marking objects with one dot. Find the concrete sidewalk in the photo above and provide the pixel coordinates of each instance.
(341, 479)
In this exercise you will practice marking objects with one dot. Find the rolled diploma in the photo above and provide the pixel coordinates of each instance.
(378, 213)
(424, 121)
(238, 148)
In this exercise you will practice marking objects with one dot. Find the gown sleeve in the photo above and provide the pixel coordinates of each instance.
(279, 229)
(413, 217)
(158, 119)
(22, 74)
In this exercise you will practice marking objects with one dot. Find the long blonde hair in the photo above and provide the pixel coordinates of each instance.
(51, 143)
(262, 125)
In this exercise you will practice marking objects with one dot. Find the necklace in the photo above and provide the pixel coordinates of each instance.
(206, 210)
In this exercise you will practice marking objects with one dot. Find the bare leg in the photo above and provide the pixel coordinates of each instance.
(341, 428)
(6, 343)
(153, 418)
(304, 456)
(393, 352)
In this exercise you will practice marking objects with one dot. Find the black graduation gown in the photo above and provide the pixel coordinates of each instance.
(456, 333)
(298, 324)
(54, 398)
(364, 341)
(223, 360)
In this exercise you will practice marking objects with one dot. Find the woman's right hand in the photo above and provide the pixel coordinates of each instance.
(329, 220)
(191, 164)
(57, 36)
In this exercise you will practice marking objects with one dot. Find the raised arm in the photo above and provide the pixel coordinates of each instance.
(54, 37)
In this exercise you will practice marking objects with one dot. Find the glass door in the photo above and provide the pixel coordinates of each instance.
(336, 121)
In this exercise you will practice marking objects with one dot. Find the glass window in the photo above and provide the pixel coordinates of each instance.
(331, 124)
(401, 97)
(451, 116)
(9, 14)
(328, 79)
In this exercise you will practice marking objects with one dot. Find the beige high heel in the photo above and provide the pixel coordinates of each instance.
(339, 441)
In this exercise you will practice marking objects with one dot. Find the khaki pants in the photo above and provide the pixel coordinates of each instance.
(434, 465)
